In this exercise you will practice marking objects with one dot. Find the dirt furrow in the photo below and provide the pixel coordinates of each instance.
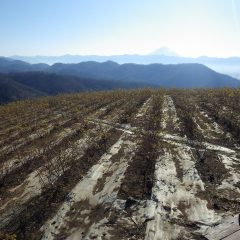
(27, 224)
(40, 123)
(126, 216)
(51, 124)
(18, 223)
(31, 123)
(100, 206)
(209, 129)
(54, 137)
(178, 209)
(170, 120)
(230, 186)
(33, 184)
(103, 182)
(16, 146)
(227, 120)
(39, 148)
(84, 190)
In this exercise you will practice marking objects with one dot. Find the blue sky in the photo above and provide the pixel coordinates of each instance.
(57, 27)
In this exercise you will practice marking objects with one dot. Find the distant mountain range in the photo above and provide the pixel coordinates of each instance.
(230, 66)
(20, 79)
(189, 75)
(22, 85)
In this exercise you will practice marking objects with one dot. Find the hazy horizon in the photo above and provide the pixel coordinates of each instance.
(121, 54)
(60, 27)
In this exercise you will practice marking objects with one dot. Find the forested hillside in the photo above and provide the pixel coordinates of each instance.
(44, 79)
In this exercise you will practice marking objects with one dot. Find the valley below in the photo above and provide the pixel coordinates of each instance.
(124, 164)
